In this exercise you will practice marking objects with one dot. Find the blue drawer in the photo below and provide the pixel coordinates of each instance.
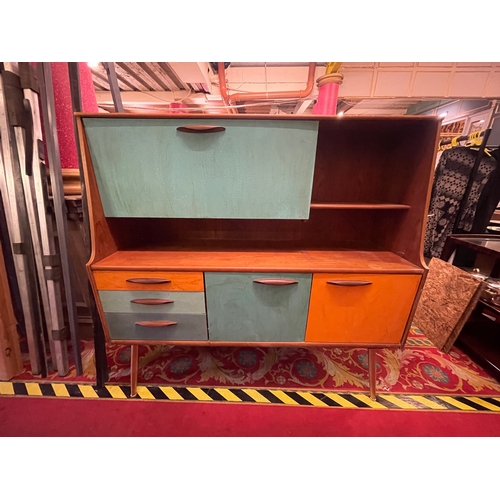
(122, 326)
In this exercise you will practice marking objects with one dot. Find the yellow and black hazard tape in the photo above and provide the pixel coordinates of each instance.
(325, 399)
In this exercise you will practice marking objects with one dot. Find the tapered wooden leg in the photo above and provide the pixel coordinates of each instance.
(372, 373)
(134, 368)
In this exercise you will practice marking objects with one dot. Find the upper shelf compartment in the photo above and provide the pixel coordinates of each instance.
(203, 168)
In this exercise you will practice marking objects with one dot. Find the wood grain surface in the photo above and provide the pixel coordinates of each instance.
(448, 298)
(117, 280)
(11, 361)
(293, 261)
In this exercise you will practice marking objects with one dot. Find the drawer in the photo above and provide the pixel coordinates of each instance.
(250, 169)
(241, 309)
(119, 280)
(152, 302)
(122, 326)
(360, 308)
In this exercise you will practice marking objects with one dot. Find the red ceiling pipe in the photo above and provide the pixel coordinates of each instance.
(255, 96)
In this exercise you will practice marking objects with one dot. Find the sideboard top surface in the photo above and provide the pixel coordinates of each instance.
(215, 116)
(260, 261)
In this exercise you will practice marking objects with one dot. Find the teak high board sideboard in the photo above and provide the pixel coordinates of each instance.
(257, 230)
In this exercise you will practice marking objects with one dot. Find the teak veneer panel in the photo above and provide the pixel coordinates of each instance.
(117, 280)
(254, 261)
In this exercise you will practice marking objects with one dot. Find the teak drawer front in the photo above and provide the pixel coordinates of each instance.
(144, 302)
(360, 308)
(122, 326)
(117, 280)
(249, 169)
(239, 309)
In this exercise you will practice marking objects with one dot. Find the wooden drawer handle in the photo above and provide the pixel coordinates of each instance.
(349, 282)
(155, 324)
(148, 281)
(275, 282)
(201, 129)
(151, 302)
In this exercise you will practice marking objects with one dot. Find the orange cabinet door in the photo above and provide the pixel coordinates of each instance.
(360, 308)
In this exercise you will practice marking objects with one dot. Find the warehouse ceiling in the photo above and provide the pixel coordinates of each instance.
(367, 88)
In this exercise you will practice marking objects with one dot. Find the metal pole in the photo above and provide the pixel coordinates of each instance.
(48, 265)
(19, 242)
(51, 137)
(113, 86)
(99, 339)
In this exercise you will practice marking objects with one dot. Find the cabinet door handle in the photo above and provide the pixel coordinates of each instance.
(275, 281)
(148, 281)
(349, 282)
(201, 129)
(155, 324)
(151, 302)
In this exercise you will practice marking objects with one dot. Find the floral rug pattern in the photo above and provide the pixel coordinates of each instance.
(418, 368)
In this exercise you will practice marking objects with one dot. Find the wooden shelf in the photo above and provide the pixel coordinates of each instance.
(306, 261)
(360, 206)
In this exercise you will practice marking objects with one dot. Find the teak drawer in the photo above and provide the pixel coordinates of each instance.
(120, 280)
(360, 308)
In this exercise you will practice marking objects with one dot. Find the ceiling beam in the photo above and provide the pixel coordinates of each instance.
(123, 75)
(302, 106)
(160, 73)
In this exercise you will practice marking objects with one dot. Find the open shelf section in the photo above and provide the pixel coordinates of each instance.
(305, 261)
(359, 206)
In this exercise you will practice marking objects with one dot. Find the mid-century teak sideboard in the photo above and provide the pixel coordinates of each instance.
(257, 230)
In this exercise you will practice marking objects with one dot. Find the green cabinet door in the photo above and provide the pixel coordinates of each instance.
(253, 169)
(239, 309)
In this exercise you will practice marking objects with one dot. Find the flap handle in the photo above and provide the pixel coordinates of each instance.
(155, 324)
(349, 282)
(151, 302)
(148, 281)
(275, 282)
(201, 129)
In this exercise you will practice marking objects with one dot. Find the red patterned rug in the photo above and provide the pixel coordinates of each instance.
(419, 368)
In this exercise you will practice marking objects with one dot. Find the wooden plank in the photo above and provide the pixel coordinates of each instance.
(183, 302)
(372, 313)
(372, 121)
(133, 261)
(117, 280)
(11, 363)
(448, 298)
(241, 310)
(228, 177)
